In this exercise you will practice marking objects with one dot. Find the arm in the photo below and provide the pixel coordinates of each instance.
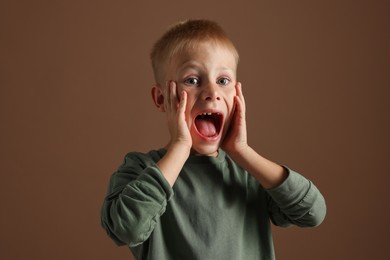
(137, 196)
(293, 199)
(267, 173)
(296, 201)
(140, 190)
(180, 144)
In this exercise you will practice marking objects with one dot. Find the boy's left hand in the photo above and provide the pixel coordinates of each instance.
(266, 172)
(235, 140)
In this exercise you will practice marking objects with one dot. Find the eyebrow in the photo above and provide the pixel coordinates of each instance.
(189, 65)
(196, 65)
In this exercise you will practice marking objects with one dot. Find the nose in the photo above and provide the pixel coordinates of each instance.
(211, 92)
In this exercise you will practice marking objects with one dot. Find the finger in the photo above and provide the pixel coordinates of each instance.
(239, 91)
(237, 105)
(183, 102)
(240, 97)
(239, 108)
(173, 95)
(168, 96)
(178, 93)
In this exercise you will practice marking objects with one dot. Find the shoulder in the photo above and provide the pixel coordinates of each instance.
(241, 175)
(133, 166)
(140, 159)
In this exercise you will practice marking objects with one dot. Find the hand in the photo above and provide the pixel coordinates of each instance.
(236, 137)
(175, 110)
(266, 172)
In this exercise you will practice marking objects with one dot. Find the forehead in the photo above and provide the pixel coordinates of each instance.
(205, 54)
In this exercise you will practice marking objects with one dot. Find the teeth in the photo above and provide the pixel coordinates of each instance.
(208, 114)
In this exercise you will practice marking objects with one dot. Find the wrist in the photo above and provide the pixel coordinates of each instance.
(266, 172)
(238, 151)
(179, 147)
(173, 161)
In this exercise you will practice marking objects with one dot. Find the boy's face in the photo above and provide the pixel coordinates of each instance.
(208, 75)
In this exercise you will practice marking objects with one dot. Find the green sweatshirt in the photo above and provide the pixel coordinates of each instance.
(215, 210)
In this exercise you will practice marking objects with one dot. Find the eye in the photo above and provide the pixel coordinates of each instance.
(223, 81)
(192, 81)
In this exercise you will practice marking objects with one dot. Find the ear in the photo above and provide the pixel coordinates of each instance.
(158, 97)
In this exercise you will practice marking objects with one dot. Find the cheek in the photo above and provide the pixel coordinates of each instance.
(190, 104)
(189, 107)
(230, 99)
(230, 106)
(179, 90)
(191, 97)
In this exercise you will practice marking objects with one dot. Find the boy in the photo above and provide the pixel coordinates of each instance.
(207, 194)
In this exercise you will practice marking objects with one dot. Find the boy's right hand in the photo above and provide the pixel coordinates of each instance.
(175, 108)
(179, 147)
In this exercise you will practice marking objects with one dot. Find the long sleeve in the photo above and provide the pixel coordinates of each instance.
(296, 201)
(136, 198)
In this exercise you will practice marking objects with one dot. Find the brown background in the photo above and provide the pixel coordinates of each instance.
(74, 98)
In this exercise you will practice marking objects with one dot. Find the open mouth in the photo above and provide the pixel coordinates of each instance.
(209, 124)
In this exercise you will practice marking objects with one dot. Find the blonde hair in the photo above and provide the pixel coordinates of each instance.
(184, 36)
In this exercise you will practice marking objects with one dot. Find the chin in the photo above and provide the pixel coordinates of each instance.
(205, 150)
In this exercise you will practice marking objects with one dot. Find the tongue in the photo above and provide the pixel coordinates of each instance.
(206, 127)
